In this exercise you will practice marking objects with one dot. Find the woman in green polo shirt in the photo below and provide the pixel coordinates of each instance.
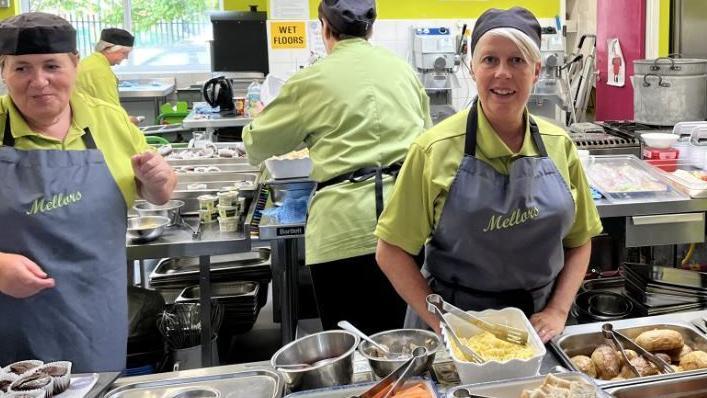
(70, 165)
(498, 198)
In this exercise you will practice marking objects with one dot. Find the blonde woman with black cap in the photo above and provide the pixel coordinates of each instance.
(70, 166)
(497, 197)
(357, 110)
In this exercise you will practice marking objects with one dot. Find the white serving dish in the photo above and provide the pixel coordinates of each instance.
(659, 140)
(289, 168)
(470, 372)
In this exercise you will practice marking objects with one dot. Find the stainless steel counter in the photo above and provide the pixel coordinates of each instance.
(607, 209)
(146, 88)
(212, 120)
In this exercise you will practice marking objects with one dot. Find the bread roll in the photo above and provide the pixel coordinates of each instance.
(660, 340)
(606, 362)
(585, 365)
(694, 360)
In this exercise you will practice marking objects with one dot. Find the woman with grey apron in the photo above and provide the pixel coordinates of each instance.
(63, 292)
(498, 241)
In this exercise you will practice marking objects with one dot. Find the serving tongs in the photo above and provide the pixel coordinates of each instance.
(607, 330)
(503, 332)
(435, 307)
(395, 381)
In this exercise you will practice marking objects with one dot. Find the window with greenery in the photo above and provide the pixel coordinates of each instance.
(169, 34)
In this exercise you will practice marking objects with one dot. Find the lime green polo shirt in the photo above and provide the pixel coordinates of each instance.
(96, 79)
(432, 162)
(112, 131)
(360, 106)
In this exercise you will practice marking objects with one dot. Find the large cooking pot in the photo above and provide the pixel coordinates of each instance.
(665, 100)
(667, 66)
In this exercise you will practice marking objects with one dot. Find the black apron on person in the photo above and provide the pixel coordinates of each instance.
(64, 211)
(498, 242)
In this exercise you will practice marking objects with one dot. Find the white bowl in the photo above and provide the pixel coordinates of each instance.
(470, 372)
(659, 140)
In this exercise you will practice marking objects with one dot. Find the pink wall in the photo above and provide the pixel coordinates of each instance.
(625, 19)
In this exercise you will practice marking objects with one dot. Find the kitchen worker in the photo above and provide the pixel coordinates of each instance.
(357, 110)
(96, 78)
(498, 198)
(70, 165)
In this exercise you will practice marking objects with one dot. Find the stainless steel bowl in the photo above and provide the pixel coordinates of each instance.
(171, 210)
(146, 228)
(401, 343)
(337, 344)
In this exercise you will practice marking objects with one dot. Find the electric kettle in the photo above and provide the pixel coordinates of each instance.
(218, 92)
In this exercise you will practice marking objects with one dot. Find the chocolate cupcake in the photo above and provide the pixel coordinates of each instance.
(60, 372)
(21, 367)
(5, 380)
(34, 381)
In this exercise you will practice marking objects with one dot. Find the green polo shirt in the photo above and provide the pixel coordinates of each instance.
(112, 131)
(360, 106)
(96, 78)
(432, 162)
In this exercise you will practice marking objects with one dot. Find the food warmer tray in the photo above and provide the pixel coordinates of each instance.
(627, 179)
(513, 388)
(247, 384)
(684, 387)
(583, 339)
(353, 390)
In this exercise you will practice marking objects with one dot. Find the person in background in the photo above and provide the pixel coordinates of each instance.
(71, 165)
(96, 78)
(499, 199)
(357, 110)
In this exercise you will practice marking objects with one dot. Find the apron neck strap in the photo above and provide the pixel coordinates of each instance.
(9, 141)
(472, 125)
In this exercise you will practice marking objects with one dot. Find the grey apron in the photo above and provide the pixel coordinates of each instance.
(498, 242)
(67, 215)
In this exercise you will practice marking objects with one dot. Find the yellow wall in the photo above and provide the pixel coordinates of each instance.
(425, 9)
(12, 10)
(664, 30)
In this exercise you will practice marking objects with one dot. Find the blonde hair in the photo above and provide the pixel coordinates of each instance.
(104, 46)
(528, 49)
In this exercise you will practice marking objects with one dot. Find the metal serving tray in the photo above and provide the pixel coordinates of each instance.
(684, 387)
(583, 339)
(614, 284)
(190, 196)
(221, 291)
(248, 384)
(353, 390)
(513, 388)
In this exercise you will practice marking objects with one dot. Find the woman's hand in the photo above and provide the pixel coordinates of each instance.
(155, 176)
(549, 323)
(20, 277)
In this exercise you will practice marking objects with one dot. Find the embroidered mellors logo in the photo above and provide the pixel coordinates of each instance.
(43, 205)
(517, 217)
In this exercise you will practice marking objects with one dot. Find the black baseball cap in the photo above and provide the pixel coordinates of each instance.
(516, 18)
(351, 17)
(36, 33)
(119, 37)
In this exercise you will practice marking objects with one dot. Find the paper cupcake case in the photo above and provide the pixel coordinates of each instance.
(48, 388)
(25, 394)
(4, 378)
(61, 383)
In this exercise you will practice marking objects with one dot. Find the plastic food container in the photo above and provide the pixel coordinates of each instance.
(207, 202)
(659, 140)
(229, 198)
(228, 224)
(227, 211)
(289, 168)
(208, 216)
(470, 372)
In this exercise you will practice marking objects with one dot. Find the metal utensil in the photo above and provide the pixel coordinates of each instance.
(346, 325)
(320, 362)
(433, 306)
(394, 381)
(503, 332)
(620, 340)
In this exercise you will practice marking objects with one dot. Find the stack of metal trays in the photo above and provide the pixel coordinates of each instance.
(247, 384)
(238, 299)
(172, 275)
(661, 290)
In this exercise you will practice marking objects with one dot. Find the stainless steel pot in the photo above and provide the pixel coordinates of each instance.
(667, 66)
(666, 100)
(171, 210)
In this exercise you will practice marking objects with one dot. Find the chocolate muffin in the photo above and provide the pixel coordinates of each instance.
(34, 381)
(19, 368)
(5, 385)
(54, 370)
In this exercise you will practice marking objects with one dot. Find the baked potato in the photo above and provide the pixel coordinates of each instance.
(660, 340)
(665, 357)
(606, 362)
(630, 354)
(643, 367)
(585, 365)
(694, 360)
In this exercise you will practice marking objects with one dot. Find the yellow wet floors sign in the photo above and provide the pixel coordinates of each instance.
(288, 35)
